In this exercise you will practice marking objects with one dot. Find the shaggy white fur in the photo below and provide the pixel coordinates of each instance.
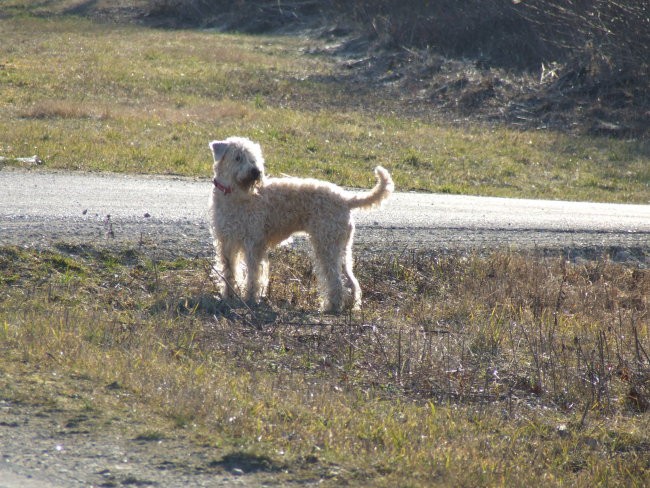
(249, 213)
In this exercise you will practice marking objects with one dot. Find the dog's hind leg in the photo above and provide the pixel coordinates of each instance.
(348, 263)
(328, 270)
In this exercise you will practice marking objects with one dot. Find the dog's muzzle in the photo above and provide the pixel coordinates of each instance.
(252, 176)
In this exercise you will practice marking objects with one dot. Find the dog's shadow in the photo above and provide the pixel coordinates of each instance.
(213, 306)
(259, 316)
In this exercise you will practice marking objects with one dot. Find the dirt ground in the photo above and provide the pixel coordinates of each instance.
(53, 445)
(63, 441)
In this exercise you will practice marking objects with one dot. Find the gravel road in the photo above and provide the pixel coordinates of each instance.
(39, 208)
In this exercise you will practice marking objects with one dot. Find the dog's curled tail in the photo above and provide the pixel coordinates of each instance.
(378, 194)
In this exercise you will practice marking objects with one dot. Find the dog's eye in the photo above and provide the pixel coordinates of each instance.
(238, 158)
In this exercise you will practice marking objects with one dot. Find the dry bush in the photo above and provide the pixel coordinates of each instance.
(515, 34)
(612, 35)
(490, 31)
(239, 15)
(499, 32)
(543, 63)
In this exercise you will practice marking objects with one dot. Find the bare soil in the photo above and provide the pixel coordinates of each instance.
(62, 440)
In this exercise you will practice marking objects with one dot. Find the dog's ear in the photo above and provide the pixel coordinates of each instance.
(218, 149)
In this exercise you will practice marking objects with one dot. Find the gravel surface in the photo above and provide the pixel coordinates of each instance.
(169, 215)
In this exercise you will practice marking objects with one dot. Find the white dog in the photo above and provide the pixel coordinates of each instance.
(250, 213)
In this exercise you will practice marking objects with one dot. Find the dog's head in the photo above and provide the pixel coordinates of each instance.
(238, 162)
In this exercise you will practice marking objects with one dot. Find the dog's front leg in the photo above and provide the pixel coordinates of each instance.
(229, 266)
(254, 255)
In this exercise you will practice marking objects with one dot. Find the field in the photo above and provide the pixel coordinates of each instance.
(496, 369)
(105, 97)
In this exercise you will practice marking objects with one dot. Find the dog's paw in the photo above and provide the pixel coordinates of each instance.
(350, 302)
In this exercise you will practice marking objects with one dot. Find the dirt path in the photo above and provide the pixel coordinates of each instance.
(46, 447)
(62, 436)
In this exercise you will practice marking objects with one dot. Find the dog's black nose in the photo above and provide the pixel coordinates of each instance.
(255, 173)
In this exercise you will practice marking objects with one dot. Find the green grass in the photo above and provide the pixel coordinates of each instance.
(459, 371)
(83, 95)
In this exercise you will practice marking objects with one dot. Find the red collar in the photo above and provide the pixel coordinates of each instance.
(221, 187)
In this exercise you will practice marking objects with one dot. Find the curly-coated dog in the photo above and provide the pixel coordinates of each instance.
(249, 213)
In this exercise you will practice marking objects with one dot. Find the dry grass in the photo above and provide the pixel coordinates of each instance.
(463, 370)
